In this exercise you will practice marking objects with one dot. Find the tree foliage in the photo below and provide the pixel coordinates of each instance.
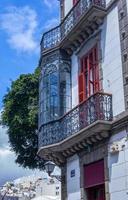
(20, 115)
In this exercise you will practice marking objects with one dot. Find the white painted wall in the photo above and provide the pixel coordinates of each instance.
(118, 169)
(48, 187)
(111, 61)
(73, 183)
(74, 77)
(127, 6)
(67, 6)
(107, 2)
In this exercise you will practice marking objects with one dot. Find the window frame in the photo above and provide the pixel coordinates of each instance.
(89, 67)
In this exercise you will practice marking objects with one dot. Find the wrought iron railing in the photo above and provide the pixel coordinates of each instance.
(53, 37)
(96, 107)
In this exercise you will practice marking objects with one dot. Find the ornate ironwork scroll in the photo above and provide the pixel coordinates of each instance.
(53, 37)
(96, 107)
(55, 86)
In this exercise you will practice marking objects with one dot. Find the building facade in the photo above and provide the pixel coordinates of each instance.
(48, 188)
(83, 104)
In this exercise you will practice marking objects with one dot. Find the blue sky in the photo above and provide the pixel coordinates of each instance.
(22, 23)
(21, 26)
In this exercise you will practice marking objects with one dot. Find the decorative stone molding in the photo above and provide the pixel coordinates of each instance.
(97, 152)
(123, 26)
(64, 182)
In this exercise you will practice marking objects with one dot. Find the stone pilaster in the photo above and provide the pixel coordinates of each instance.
(95, 153)
(64, 182)
(123, 26)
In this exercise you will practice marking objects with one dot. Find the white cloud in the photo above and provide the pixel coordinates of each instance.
(5, 153)
(4, 145)
(47, 3)
(9, 170)
(20, 24)
(51, 4)
(51, 23)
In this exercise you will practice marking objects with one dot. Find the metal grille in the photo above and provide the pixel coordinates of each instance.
(96, 107)
(53, 37)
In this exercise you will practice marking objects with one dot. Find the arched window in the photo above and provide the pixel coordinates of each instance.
(55, 92)
(65, 88)
(50, 99)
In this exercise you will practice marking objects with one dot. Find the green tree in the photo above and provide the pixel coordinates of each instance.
(20, 115)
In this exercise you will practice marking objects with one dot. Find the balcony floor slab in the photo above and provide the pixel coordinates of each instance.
(92, 134)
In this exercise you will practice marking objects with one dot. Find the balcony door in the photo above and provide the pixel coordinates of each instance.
(96, 193)
(94, 180)
(89, 75)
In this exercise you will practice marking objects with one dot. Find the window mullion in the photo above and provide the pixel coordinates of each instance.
(88, 82)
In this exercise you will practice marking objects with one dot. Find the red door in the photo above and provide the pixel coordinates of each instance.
(94, 180)
(96, 193)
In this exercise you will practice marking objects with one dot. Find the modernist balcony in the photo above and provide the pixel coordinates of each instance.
(82, 20)
(97, 109)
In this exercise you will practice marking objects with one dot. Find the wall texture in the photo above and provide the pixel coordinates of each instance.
(111, 60)
(74, 77)
(73, 183)
(123, 25)
(67, 6)
(118, 169)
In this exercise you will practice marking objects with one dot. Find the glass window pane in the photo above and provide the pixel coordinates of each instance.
(56, 94)
(53, 78)
(53, 90)
(68, 102)
(68, 78)
(46, 82)
(68, 90)
(65, 91)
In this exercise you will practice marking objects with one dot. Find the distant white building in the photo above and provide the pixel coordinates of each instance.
(48, 187)
(32, 187)
(46, 198)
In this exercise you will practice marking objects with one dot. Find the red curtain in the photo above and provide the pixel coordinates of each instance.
(94, 174)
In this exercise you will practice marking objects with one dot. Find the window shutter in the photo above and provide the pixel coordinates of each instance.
(81, 88)
(94, 174)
